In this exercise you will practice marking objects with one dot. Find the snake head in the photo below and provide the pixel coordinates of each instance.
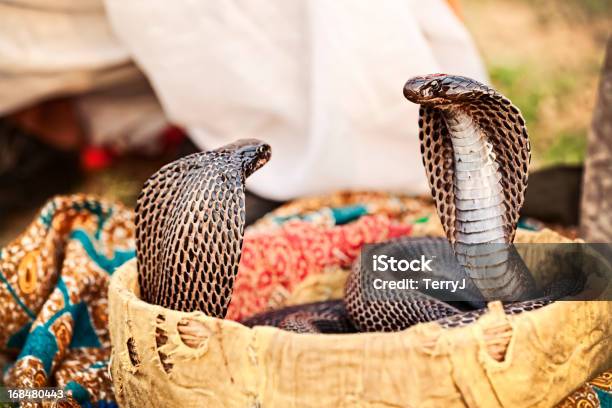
(442, 89)
(252, 154)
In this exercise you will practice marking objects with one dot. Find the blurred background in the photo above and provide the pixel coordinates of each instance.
(552, 68)
(545, 55)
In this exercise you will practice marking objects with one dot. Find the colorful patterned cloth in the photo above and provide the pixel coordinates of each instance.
(53, 297)
(54, 280)
(593, 394)
(274, 262)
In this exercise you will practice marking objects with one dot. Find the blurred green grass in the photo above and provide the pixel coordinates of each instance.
(515, 84)
(545, 55)
(588, 8)
(568, 146)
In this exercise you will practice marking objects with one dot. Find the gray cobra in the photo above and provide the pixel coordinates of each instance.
(190, 220)
(475, 149)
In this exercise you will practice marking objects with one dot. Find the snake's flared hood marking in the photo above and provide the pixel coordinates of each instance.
(190, 220)
(442, 95)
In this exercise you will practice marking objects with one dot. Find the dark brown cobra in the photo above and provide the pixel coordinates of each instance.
(474, 145)
(190, 220)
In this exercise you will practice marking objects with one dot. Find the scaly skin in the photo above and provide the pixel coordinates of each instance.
(482, 140)
(475, 150)
(190, 220)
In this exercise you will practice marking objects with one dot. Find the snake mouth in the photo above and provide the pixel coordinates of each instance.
(262, 154)
(437, 103)
(253, 154)
(425, 96)
(426, 90)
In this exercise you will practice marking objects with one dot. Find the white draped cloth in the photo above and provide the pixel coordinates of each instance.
(319, 80)
(67, 47)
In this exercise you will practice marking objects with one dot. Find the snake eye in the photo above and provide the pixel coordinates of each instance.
(429, 89)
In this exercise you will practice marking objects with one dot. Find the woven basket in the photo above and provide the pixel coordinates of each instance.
(164, 358)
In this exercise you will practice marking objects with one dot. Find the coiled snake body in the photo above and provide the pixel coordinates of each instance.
(474, 145)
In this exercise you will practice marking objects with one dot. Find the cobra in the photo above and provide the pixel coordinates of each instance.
(475, 148)
(190, 218)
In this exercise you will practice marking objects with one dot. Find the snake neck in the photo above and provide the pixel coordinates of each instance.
(482, 244)
(478, 192)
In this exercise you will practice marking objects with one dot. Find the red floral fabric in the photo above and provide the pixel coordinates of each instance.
(279, 259)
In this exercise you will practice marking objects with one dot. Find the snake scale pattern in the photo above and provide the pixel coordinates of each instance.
(190, 220)
(475, 149)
